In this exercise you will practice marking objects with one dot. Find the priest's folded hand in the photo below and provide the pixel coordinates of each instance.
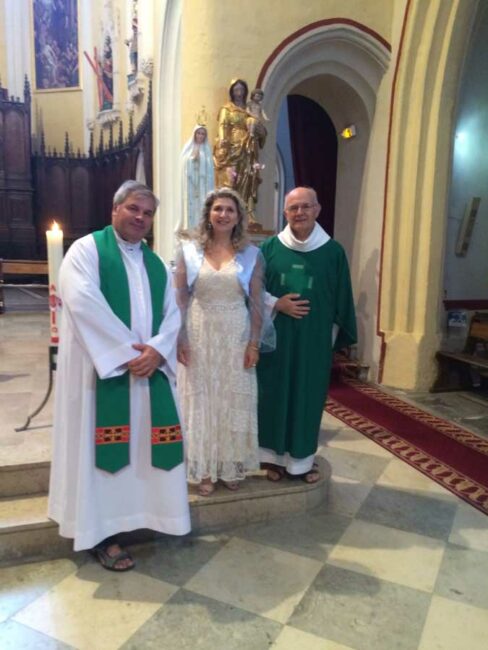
(291, 305)
(148, 361)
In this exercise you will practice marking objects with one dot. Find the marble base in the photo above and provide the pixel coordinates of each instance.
(26, 533)
(20, 480)
(257, 500)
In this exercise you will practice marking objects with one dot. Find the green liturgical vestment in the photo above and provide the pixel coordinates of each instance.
(293, 380)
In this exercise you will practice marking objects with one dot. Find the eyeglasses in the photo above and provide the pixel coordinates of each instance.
(293, 209)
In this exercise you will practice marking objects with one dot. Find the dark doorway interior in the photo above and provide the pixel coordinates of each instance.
(314, 152)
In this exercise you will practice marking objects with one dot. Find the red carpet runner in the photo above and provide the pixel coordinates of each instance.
(453, 457)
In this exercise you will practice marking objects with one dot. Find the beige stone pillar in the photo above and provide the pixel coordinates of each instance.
(430, 62)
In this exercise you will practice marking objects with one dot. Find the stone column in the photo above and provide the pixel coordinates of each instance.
(430, 62)
(18, 46)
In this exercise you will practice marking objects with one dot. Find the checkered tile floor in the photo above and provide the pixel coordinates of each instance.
(392, 561)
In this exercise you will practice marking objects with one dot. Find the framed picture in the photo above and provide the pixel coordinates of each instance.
(466, 226)
(56, 44)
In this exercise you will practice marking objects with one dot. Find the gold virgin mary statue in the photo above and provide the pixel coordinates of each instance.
(236, 151)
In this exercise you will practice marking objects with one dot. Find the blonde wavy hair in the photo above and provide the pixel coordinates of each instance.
(203, 233)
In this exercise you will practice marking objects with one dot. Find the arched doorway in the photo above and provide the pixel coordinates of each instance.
(339, 66)
(314, 153)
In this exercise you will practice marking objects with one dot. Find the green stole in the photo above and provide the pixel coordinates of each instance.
(112, 433)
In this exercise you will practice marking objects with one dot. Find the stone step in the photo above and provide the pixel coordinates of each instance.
(24, 479)
(27, 534)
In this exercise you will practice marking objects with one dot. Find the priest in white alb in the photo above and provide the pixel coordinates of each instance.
(117, 460)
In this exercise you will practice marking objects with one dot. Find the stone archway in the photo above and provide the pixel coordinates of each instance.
(340, 64)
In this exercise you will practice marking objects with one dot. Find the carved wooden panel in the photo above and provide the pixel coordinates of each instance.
(17, 233)
(55, 193)
(2, 148)
(81, 200)
(18, 162)
(3, 212)
(76, 190)
(19, 207)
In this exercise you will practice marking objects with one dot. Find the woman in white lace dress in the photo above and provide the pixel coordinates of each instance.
(219, 280)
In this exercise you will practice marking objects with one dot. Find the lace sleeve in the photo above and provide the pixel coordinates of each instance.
(262, 328)
(183, 293)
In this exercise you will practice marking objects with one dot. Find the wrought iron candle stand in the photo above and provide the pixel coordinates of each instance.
(53, 356)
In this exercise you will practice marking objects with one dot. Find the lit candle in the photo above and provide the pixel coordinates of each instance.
(54, 258)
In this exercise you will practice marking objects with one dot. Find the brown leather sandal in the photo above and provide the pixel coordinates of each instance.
(274, 473)
(310, 477)
(109, 562)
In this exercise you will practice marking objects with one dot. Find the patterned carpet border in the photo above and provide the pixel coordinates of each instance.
(463, 436)
(426, 461)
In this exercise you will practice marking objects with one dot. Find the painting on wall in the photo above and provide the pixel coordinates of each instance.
(56, 44)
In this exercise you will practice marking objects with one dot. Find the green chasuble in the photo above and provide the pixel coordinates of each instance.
(294, 379)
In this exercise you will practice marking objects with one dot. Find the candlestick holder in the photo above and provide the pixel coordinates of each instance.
(52, 360)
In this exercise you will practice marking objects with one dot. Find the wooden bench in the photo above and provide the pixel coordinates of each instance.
(20, 268)
(455, 368)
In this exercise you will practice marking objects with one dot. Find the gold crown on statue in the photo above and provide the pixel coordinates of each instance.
(202, 117)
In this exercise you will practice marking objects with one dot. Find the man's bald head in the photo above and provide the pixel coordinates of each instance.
(301, 211)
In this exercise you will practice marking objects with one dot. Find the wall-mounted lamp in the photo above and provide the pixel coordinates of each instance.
(348, 132)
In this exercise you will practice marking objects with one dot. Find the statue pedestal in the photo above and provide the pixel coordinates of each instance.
(258, 235)
(27, 533)
(254, 226)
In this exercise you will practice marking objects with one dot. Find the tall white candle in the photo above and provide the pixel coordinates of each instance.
(54, 258)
